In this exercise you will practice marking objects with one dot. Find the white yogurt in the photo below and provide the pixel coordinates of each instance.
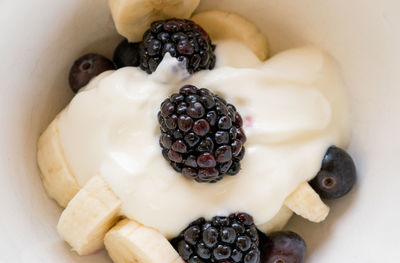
(294, 107)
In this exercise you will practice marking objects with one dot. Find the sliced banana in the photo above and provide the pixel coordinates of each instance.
(223, 25)
(278, 222)
(133, 17)
(88, 216)
(305, 202)
(131, 242)
(56, 175)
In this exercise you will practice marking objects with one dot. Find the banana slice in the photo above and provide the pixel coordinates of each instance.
(131, 242)
(305, 202)
(222, 25)
(88, 216)
(133, 17)
(278, 222)
(57, 178)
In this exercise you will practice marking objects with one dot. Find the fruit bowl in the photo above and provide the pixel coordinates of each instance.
(361, 35)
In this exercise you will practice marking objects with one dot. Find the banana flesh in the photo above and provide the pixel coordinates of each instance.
(57, 177)
(305, 202)
(223, 25)
(130, 241)
(88, 216)
(133, 17)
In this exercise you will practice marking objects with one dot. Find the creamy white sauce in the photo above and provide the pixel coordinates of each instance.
(294, 107)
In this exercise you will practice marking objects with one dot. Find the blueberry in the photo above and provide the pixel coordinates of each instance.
(87, 67)
(285, 247)
(337, 175)
(126, 54)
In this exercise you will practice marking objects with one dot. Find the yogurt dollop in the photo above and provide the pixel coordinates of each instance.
(294, 107)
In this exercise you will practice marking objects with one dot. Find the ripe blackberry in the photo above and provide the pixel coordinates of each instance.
(201, 134)
(183, 39)
(232, 239)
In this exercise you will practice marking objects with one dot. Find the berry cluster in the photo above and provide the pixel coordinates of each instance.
(223, 239)
(201, 134)
(183, 39)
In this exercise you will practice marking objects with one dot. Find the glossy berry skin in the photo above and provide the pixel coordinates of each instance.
(182, 39)
(337, 175)
(87, 67)
(232, 239)
(282, 247)
(199, 134)
(126, 54)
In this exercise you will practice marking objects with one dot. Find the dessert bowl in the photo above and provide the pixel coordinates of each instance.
(361, 36)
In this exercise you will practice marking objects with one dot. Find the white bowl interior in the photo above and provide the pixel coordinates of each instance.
(42, 38)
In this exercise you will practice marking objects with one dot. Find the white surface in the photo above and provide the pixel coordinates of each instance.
(40, 40)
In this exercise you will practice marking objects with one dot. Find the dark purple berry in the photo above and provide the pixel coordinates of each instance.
(166, 141)
(87, 67)
(222, 137)
(196, 110)
(236, 147)
(238, 120)
(222, 252)
(211, 117)
(183, 39)
(179, 146)
(201, 127)
(228, 235)
(220, 240)
(126, 54)
(206, 160)
(192, 139)
(203, 251)
(224, 123)
(206, 145)
(284, 246)
(175, 156)
(191, 161)
(198, 131)
(167, 108)
(235, 168)
(192, 235)
(337, 175)
(241, 135)
(223, 154)
(189, 172)
(207, 174)
(185, 123)
(184, 250)
(245, 219)
(240, 156)
(171, 121)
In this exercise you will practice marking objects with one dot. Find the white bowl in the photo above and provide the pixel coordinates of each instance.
(40, 40)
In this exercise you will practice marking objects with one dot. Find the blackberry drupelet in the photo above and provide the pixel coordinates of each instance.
(232, 239)
(201, 134)
(183, 39)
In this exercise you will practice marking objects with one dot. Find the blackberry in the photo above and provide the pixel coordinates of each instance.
(232, 239)
(201, 134)
(183, 39)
